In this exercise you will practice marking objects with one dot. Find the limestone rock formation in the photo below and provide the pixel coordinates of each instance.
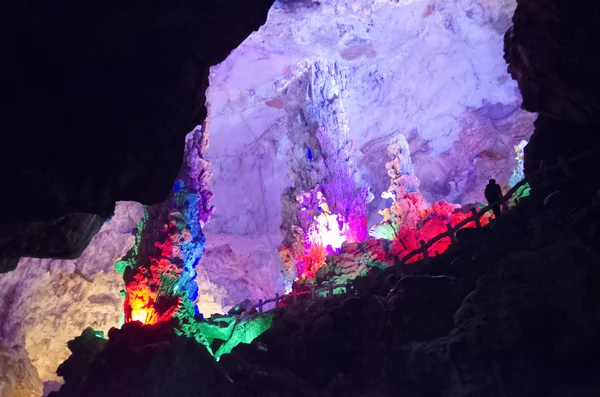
(233, 270)
(520, 330)
(326, 204)
(141, 361)
(512, 312)
(47, 302)
(520, 343)
(169, 261)
(18, 377)
(432, 71)
(552, 52)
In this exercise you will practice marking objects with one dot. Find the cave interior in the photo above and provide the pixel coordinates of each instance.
(295, 198)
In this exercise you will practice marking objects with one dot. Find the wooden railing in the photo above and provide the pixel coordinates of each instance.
(451, 230)
(562, 165)
(315, 293)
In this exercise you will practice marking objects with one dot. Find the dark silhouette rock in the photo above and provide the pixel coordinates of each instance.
(552, 53)
(98, 99)
(257, 380)
(141, 361)
(439, 296)
(516, 320)
(65, 238)
(554, 140)
(467, 236)
(531, 324)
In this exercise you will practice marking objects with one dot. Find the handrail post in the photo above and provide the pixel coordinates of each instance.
(476, 218)
(260, 306)
(451, 233)
(277, 300)
(330, 286)
(425, 253)
(313, 293)
(295, 296)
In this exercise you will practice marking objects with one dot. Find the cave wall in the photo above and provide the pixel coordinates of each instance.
(553, 54)
(491, 346)
(98, 100)
(552, 50)
(432, 71)
(47, 302)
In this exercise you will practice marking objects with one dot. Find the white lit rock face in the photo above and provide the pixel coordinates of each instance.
(431, 70)
(18, 378)
(47, 302)
(235, 268)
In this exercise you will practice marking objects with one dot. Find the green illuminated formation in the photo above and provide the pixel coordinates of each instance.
(221, 334)
(159, 270)
(129, 260)
(188, 324)
(523, 191)
(245, 332)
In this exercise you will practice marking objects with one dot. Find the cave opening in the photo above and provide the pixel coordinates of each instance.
(309, 104)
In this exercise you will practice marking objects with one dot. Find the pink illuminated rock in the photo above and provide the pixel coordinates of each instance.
(330, 198)
(367, 72)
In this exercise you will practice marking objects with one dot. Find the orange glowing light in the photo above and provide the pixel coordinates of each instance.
(145, 315)
(139, 315)
(139, 304)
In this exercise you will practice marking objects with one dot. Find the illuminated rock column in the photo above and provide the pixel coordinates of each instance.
(326, 204)
(159, 272)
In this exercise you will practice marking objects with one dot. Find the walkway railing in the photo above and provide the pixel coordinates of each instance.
(451, 232)
(314, 293)
(423, 250)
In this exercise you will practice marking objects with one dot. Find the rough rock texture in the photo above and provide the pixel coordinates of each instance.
(553, 54)
(552, 51)
(530, 319)
(18, 377)
(141, 361)
(98, 99)
(326, 204)
(171, 241)
(65, 237)
(512, 312)
(47, 302)
(432, 71)
(232, 270)
(530, 326)
(159, 271)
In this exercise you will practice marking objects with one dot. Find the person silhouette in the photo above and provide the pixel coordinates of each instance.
(493, 193)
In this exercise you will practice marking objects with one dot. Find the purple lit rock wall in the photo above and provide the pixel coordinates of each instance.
(430, 70)
(320, 153)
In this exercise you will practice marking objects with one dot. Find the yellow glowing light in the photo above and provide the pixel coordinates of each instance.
(140, 315)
